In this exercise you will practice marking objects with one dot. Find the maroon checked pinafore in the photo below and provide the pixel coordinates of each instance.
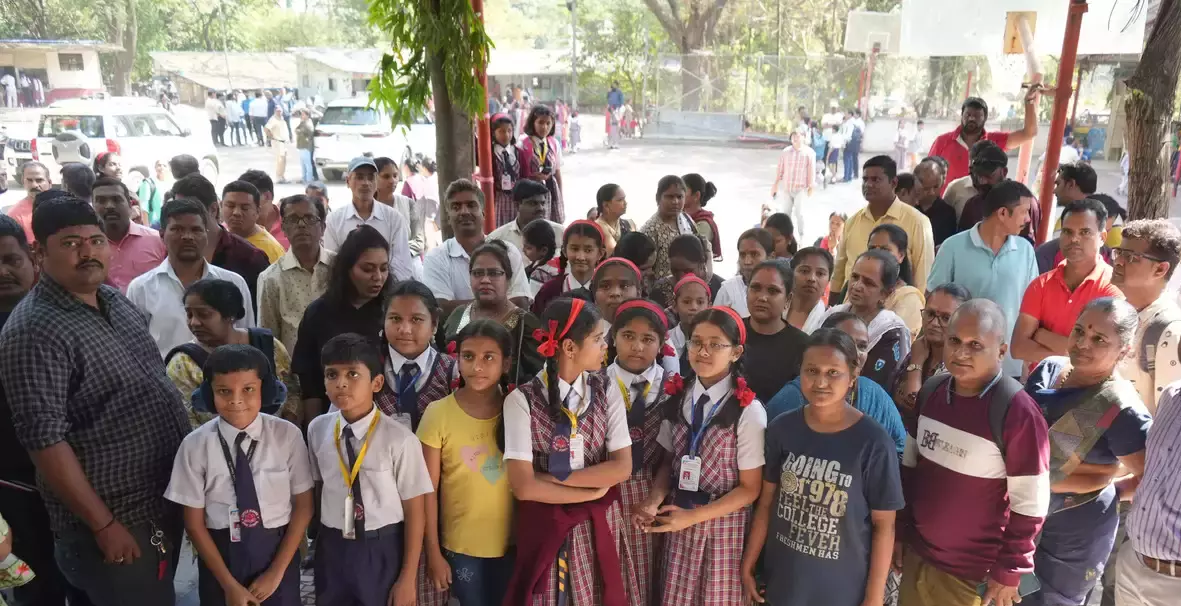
(702, 563)
(585, 584)
(641, 550)
(438, 386)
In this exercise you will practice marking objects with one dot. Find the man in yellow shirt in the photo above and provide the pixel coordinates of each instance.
(879, 177)
(239, 209)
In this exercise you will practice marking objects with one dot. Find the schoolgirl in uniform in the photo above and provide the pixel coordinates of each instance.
(506, 168)
(582, 250)
(415, 374)
(636, 374)
(226, 475)
(567, 447)
(691, 295)
(469, 516)
(714, 428)
(541, 250)
(617, 280)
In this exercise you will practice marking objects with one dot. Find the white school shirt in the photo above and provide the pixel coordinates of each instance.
(395, 362)
(732, 294)
(670, 363)
(752, 423)
(445, 272)
(569, 283)
(616, 373)
(280, 466)
(393, 470)
(676, 338)
(159, 294)
(518, 425)
(392, 225)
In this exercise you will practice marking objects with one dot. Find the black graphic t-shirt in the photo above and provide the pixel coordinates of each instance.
(819, 537)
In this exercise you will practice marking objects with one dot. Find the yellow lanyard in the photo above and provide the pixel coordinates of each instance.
(627, 398)
(544, 151)
(350, 477)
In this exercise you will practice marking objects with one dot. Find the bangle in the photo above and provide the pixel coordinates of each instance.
(107, 525)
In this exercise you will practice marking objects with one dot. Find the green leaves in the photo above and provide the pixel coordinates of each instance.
(447, 31)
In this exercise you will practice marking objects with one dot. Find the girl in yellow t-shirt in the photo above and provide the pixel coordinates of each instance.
(467, 536)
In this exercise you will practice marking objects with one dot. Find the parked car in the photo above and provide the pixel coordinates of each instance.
(14, 151)
(78, 130)
(351, 128)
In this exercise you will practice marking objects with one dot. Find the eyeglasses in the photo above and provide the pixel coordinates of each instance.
(713, 346)
(932, 315)
(487, 273)
(304, 221)
(1132, 256)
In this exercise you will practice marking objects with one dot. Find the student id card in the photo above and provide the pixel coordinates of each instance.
(350, 520)
(577, 453)
(235, 525)
(690, 475)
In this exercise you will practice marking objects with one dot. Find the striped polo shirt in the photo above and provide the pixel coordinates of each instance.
(1154, 526)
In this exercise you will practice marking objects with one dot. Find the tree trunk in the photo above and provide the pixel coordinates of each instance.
(454, 139)
(1148, 107)
(692, 81)
(122, 30)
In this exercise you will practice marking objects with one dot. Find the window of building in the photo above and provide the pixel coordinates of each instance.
(332, 84)
(70, 62)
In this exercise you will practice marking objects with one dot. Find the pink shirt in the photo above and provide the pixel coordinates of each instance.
(140, 250)
(276, 230)
(23, 213)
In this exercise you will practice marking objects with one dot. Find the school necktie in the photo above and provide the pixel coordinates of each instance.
(635, 422)
(408, 392)
(559, 455)
(244, 490)
(358, 512)
(698, 417)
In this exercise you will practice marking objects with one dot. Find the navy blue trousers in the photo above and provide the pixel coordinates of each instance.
(357, 572)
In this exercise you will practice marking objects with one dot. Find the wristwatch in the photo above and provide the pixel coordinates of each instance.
(912, 367)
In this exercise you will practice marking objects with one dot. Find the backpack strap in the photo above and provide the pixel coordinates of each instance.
(263, 340)
(998, 408)
(1153, 329)
(928, 389)
(192, 350)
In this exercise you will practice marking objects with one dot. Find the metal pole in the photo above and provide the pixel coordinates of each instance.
(573, 6)
(968, 88)
(1074, 23)
(644, 80)
(225, 53)
(484, 137)
(863, 103)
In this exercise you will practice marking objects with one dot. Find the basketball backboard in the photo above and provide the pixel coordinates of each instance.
(865, 29)
(948, 28)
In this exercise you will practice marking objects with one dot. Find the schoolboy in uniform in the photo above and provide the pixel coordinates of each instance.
(372, 510)
(245, 481)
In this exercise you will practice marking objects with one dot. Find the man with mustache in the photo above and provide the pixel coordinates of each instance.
(134, 248)
(990, 165)
(35, 179)
(977, 483)
(365, 210)
(954, 146)
(445, 268)
(92, 405)
(1074, 182)
(240, 206)
(1053, 301)
(159, 293)
(991, 259)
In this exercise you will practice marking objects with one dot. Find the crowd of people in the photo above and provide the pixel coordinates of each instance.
(582, 411)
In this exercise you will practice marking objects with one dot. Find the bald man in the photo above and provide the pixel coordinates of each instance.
(975, 472)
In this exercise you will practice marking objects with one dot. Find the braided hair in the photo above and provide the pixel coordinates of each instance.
(576, 329)
(540, 235)
(730, 412)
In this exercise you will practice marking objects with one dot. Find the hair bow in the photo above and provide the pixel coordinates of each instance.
(744, 394)
(452, 350)
(668, 351)
(547, 340)
(455, 383)
(510, 388)
(674, 384)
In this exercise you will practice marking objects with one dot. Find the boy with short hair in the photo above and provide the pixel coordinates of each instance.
(372, 510)
(245, 481)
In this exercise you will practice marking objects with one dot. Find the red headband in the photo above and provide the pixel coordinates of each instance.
(597, 227)
(548, 340)
(692, 279)
(499, 116)
(737, 320)
(643, 304)
(621, 261)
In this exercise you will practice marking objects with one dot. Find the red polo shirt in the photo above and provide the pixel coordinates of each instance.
(1049, 300)
(951, 147)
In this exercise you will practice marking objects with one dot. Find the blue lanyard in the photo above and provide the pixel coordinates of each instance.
(696, 436)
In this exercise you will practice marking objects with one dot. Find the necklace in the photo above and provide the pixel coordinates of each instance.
(1065, 377)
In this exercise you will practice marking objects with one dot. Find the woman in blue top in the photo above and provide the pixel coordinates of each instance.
(1097, 422)
(868, 397)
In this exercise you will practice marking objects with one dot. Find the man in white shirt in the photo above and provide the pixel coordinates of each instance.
(832, 118)
(215, 112)
(8, 82)
(365, 210)
(159, 293)
(258, 117)
(235, 116)
(445, 268)
(533, 200)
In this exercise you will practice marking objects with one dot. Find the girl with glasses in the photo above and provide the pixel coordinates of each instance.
(491, 271)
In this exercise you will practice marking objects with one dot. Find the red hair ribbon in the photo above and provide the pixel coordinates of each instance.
(737, 319)
(454, 383)
(692, 279)
(744, 394)
(499, 116)
(598, 229)
(548, 340)
(451, 350)
(624, 262)
(643, 304)
(668, 351)
(674, 384)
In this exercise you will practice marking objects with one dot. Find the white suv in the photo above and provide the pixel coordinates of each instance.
(78, 130)
(350, 128)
